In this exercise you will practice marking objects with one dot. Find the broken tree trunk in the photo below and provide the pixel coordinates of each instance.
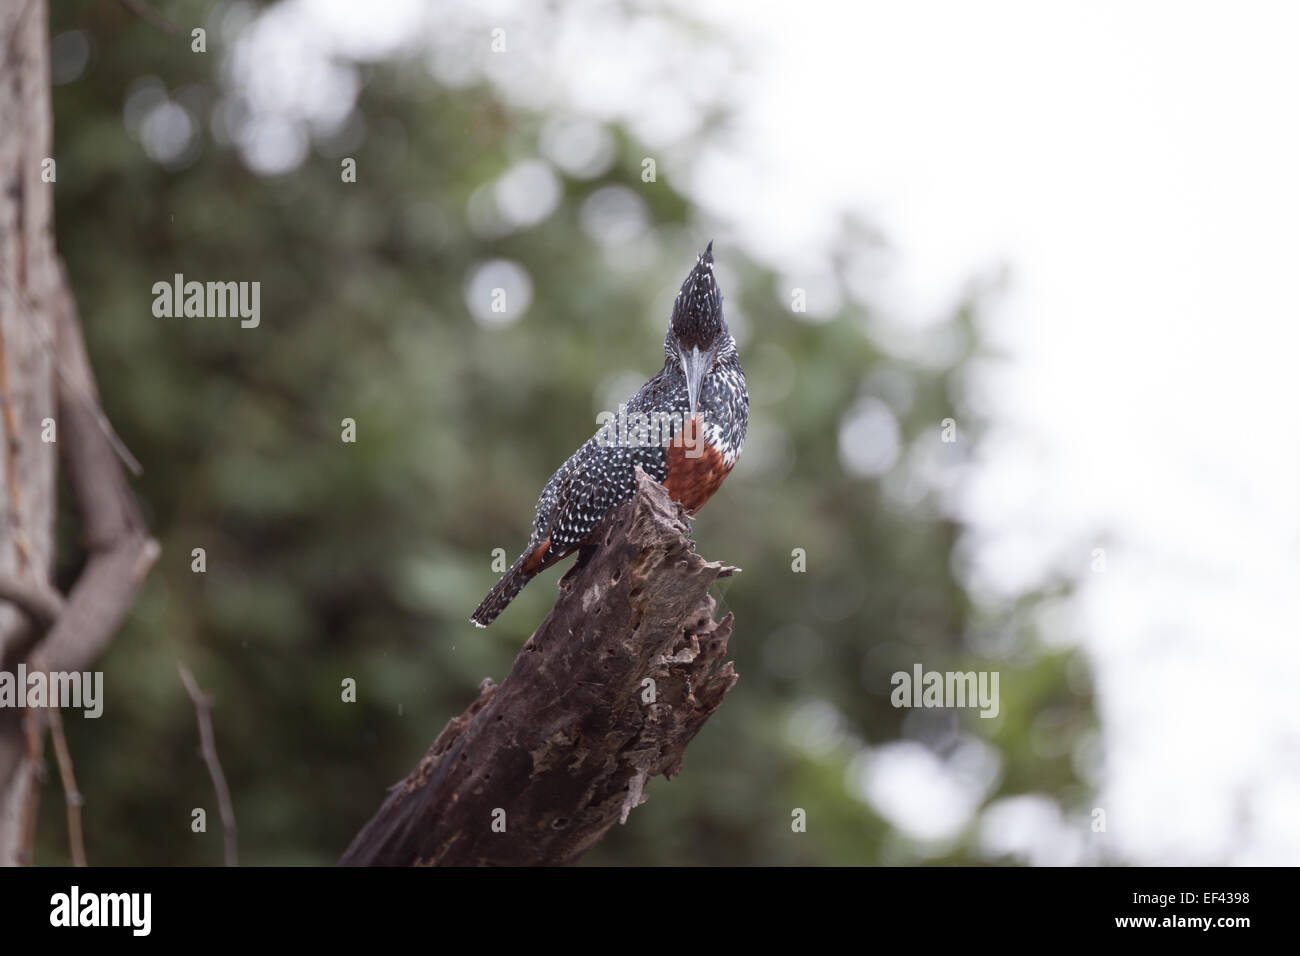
(606, 693)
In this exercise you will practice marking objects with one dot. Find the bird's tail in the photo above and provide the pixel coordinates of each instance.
(503, 592)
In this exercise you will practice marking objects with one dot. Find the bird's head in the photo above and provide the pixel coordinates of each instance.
(697, 334)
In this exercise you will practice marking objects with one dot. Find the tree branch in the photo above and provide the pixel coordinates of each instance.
(38, 601)
(606, 693)
(48, 376)
(120, 550)
(71, 795)
(208, 747)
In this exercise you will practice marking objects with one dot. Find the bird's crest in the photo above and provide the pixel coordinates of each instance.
(697, 310)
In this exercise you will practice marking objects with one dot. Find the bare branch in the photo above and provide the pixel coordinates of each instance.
(34, 737)
(71, 795)
(77, 388)
(208, 745)
(14, 520)
(38, 601)
(120, 551)
(18, 22)
(49, 375)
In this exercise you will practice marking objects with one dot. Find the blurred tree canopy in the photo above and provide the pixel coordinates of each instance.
(327, 560)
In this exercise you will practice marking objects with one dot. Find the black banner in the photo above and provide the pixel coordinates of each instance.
(238, 905)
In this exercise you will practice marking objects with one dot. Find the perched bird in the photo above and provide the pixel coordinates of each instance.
(685, 428)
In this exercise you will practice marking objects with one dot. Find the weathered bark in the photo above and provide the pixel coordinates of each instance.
(28, 274)
(45, 374)
(606, 693)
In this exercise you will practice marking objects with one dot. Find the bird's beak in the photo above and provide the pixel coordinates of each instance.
(696, 365)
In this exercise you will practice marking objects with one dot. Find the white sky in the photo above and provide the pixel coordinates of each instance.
(1136, 166)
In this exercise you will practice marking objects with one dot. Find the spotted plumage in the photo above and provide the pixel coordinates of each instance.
(685, 428)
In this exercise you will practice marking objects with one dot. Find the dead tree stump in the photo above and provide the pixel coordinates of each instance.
(606, 694)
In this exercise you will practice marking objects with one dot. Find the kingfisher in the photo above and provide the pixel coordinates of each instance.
(685, 428)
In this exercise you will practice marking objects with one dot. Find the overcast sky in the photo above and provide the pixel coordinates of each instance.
(1137, 168)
